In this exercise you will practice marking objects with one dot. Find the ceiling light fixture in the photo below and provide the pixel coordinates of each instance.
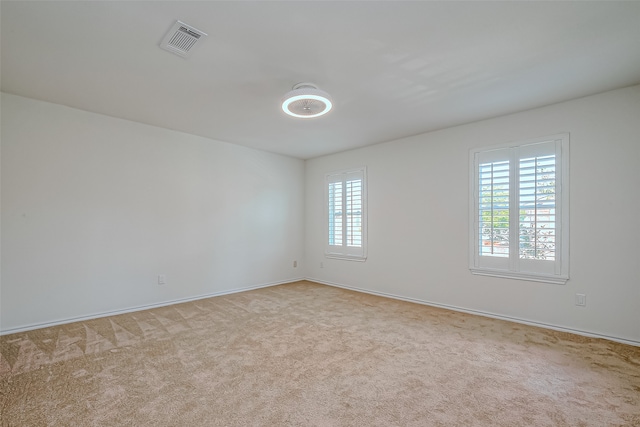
(306, 101)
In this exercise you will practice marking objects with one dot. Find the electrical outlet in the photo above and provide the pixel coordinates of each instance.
(162, 279)
(581, 300)
(295, 264)
(322, 265)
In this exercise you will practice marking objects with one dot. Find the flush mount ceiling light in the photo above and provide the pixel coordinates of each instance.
(306, 101)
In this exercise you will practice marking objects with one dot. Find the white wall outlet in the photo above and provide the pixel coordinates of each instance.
(581, 300)
(322, 265)
(295, 264)
(162, 279)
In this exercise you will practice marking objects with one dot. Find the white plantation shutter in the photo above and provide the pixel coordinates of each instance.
(493, 208)
(353, 196)
(346, 220)
(335, 213)
(493, 212)
(519, 217)
(537, 179)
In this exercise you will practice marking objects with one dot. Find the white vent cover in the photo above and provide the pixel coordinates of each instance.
(181, 39)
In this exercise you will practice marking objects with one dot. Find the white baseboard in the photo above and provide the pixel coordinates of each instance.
(323, 282)
(139, 308)
(480, 313)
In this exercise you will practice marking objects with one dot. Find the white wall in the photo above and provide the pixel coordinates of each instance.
(94, 208)
(418, 218)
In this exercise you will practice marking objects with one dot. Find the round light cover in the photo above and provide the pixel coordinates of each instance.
(306, 101)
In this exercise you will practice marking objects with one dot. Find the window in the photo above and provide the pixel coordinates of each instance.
(519, 217)
(346, 215)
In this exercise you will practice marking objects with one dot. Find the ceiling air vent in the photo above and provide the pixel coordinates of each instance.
(181, 39)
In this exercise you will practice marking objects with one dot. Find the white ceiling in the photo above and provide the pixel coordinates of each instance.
(393, 68)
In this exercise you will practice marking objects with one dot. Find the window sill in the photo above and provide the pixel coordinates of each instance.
(556, 280)
(346, 257)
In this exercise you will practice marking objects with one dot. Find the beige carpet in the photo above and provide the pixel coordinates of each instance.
(304, 354)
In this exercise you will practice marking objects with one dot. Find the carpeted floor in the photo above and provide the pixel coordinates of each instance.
(304, 354)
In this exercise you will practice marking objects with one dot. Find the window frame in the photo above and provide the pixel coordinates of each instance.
(514, 267)
(344, 251)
